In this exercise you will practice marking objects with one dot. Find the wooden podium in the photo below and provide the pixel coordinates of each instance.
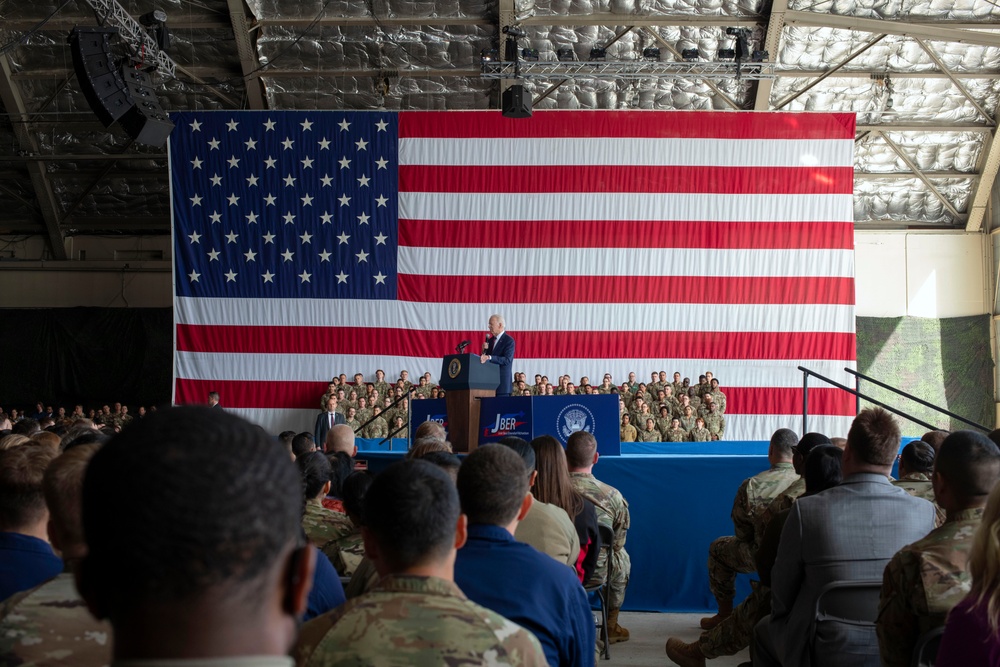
(465, 379)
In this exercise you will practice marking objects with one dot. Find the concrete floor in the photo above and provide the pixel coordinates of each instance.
(648, 636)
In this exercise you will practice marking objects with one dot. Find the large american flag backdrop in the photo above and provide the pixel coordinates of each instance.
(311, 243)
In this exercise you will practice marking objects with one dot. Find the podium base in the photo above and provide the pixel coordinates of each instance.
(463, 417)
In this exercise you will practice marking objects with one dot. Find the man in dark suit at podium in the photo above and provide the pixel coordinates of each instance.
(499, 349)
(326, 420)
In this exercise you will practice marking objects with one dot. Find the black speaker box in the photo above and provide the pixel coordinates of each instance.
(516, 102)
(100, 79)
(146, 121)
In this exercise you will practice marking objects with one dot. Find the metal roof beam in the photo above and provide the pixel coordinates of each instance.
(247, 51)
(919, 174)
(772, 41)
(10, 94)
(828, 73)
(602, 19)
(958, 84)
(981, 198)
(926, 126)
(895, 175)
(934, 31)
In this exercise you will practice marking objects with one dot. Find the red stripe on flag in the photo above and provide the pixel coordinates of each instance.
(530, 344)
(631, 289)
(305, 395)
(627, 178)
(641, 124)
(639, 234)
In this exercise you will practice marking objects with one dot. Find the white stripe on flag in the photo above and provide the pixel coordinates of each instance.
(619, 262)
(627, 151)
(521, 316)
(624, 206)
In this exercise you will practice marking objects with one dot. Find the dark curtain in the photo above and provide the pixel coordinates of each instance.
(89, 356)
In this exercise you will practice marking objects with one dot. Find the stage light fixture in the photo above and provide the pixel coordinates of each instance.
(651, 53)
(727, 54)
(489, 56)
(598, 53)
(513, 31)
(566, 54)
(690, 54)
(531, 55)
(156, 24)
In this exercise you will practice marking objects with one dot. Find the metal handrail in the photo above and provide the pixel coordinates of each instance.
(915, 399)
(805, 399)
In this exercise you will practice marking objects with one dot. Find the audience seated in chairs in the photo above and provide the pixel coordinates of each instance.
(819, 472)
(511, 578)
(415, 615)
(51, 620)
(847, 533)
(926, 579)
(546, 527)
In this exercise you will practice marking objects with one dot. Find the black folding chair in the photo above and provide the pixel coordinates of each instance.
(603, 589)
(925, 652)
(846, 610)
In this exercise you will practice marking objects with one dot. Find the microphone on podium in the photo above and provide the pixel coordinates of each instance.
(461, 346)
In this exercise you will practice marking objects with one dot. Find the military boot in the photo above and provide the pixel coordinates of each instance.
(685, 655)
(616, 633)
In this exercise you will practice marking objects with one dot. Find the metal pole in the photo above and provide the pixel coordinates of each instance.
(805, 403)
(857, 396)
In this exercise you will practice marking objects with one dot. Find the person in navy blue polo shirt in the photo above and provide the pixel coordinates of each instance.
(508, 577)
(26, 559)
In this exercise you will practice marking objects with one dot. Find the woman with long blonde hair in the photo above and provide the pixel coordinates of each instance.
(972, 632)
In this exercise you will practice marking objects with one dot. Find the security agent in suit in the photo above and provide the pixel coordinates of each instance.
(326, 420)
(848, 532)
(500, 351)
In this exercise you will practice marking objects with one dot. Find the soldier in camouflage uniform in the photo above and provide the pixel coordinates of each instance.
(664, 421)
(380, 385)
(612, 511)
(50, 624)
(324, 528)
(331, 392)
(364, 412)
(715, 423)
(687, 419)
(352, 419)
(700, 433)
(924, 580)
(683, 402)
(378, 428)
(423, 388)
(676, 385)
(628, 432)
(916, 463)
(718, 397)
(730, 555)
(650, 433)
(410, 618)
(676, 433)
(654, 383)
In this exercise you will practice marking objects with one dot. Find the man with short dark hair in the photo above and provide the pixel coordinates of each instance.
(847, 533)
(302, 444)
(612, 512)
(215, 569)
(916, 465)
(26, 559)
(511, 578)
(213, 400)
(924, 580)
(415, 615)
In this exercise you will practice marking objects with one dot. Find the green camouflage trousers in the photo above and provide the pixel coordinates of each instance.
(728, 556)
(734, 634)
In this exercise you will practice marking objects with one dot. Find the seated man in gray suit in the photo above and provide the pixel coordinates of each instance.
(849, 533)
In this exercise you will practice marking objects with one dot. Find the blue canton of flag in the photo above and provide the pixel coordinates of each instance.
(285, 204)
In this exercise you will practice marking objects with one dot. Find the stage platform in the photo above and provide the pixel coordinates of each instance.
(680, 498)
